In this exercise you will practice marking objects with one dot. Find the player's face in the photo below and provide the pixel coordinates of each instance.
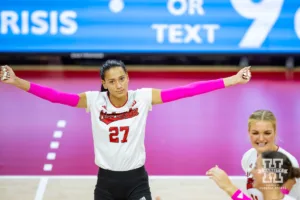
(262, 136)
(116, 81)
(258, 173)
(263, 179)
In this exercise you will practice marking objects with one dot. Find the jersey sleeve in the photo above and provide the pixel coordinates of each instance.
(245, 159)
(295, 191)
(145, 94)
(244, 162)
(296, 165)
(293, 160)
(91, 97)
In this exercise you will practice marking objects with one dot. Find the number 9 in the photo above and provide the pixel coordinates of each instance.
(264, 15)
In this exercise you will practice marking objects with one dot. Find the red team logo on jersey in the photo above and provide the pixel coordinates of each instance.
(113, 117)
(249, 183)
(133, 103)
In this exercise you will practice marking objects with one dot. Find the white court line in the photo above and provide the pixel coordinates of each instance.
(57, 134)
(48, 167)
(61, 123)
(51, 156)
(54, 145)
(41, 189)
(94, 177)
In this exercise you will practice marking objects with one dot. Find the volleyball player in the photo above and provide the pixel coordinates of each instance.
(118, 118)
(262, 133)
(272, 170)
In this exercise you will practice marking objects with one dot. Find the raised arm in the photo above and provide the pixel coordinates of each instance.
(200, 87)
(74, 100)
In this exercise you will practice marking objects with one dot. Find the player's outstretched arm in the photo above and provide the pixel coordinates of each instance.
(220, 177)
(201, 87)
(8, 76)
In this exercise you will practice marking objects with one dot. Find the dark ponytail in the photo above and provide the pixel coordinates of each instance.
(295, 173)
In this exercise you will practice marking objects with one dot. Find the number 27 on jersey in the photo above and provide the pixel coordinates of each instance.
(118, 133)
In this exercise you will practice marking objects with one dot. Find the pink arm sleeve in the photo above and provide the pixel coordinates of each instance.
(190, 90)
(239, 195)
(53, 95)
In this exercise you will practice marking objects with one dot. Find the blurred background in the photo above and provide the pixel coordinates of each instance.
(164, 43)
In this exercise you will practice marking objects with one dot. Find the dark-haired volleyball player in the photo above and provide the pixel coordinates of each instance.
(118, 119)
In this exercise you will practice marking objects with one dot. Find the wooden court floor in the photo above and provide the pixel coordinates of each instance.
(82, 188)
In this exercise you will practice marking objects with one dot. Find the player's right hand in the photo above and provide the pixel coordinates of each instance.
(7, 75)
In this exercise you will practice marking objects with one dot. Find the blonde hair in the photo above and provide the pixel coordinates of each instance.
(262, 115)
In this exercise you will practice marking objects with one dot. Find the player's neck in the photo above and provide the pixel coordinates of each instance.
(272, 194)
(118, 102)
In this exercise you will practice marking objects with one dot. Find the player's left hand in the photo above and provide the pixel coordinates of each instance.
(243, 76)
(220, 177)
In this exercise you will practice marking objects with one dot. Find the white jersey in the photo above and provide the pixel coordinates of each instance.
(288, 197)
(119, 133)
(248, 163)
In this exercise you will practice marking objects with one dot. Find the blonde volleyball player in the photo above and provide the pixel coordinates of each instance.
(118, 118)
(272, 170)
(262, 127)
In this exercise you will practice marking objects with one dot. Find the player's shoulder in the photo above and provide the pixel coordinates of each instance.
(142, 96)
(141, 93)
(292, 158)
(93, 92)
(93, 96)
(247, 158)
(251, 152)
